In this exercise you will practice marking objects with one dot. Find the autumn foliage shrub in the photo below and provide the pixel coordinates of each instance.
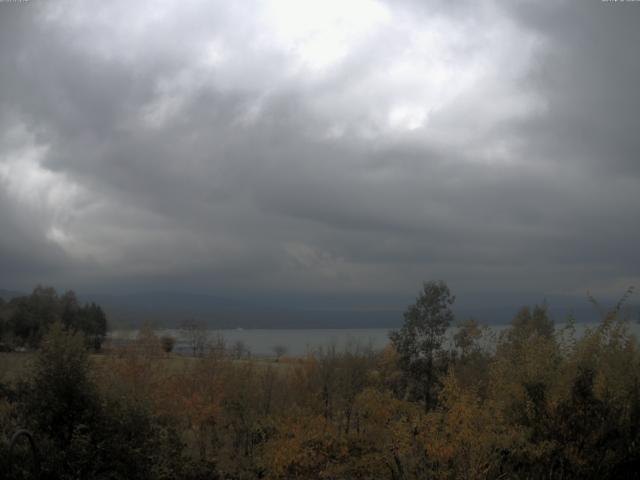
(536, 401)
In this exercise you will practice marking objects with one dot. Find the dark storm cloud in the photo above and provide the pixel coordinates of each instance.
(293, 147)
(590, 78)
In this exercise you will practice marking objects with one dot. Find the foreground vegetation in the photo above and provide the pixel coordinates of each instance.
(535, 402)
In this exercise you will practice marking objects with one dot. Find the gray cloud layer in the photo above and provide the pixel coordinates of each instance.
(285, 146)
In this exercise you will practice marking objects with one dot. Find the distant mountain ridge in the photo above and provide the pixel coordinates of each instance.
(9, 294)
(223, 312)
(329, 311)
(301, 311)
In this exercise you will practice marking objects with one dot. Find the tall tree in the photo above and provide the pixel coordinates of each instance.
(34, 314)
(70, 308)
(420, 338)
(93, 322)
(61, 395)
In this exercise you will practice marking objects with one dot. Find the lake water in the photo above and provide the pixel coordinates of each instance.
(301, 341)
(296, 341)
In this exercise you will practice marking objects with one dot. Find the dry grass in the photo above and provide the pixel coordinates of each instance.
(14, 365)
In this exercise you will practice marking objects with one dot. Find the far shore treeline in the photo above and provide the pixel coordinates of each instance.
(534, 401)
(24, 320)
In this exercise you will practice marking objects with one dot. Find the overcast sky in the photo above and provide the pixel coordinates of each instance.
(329, 146)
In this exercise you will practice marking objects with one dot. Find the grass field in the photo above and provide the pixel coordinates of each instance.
(15, 365)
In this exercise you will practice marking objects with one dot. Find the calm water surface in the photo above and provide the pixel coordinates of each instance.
(301, 341)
